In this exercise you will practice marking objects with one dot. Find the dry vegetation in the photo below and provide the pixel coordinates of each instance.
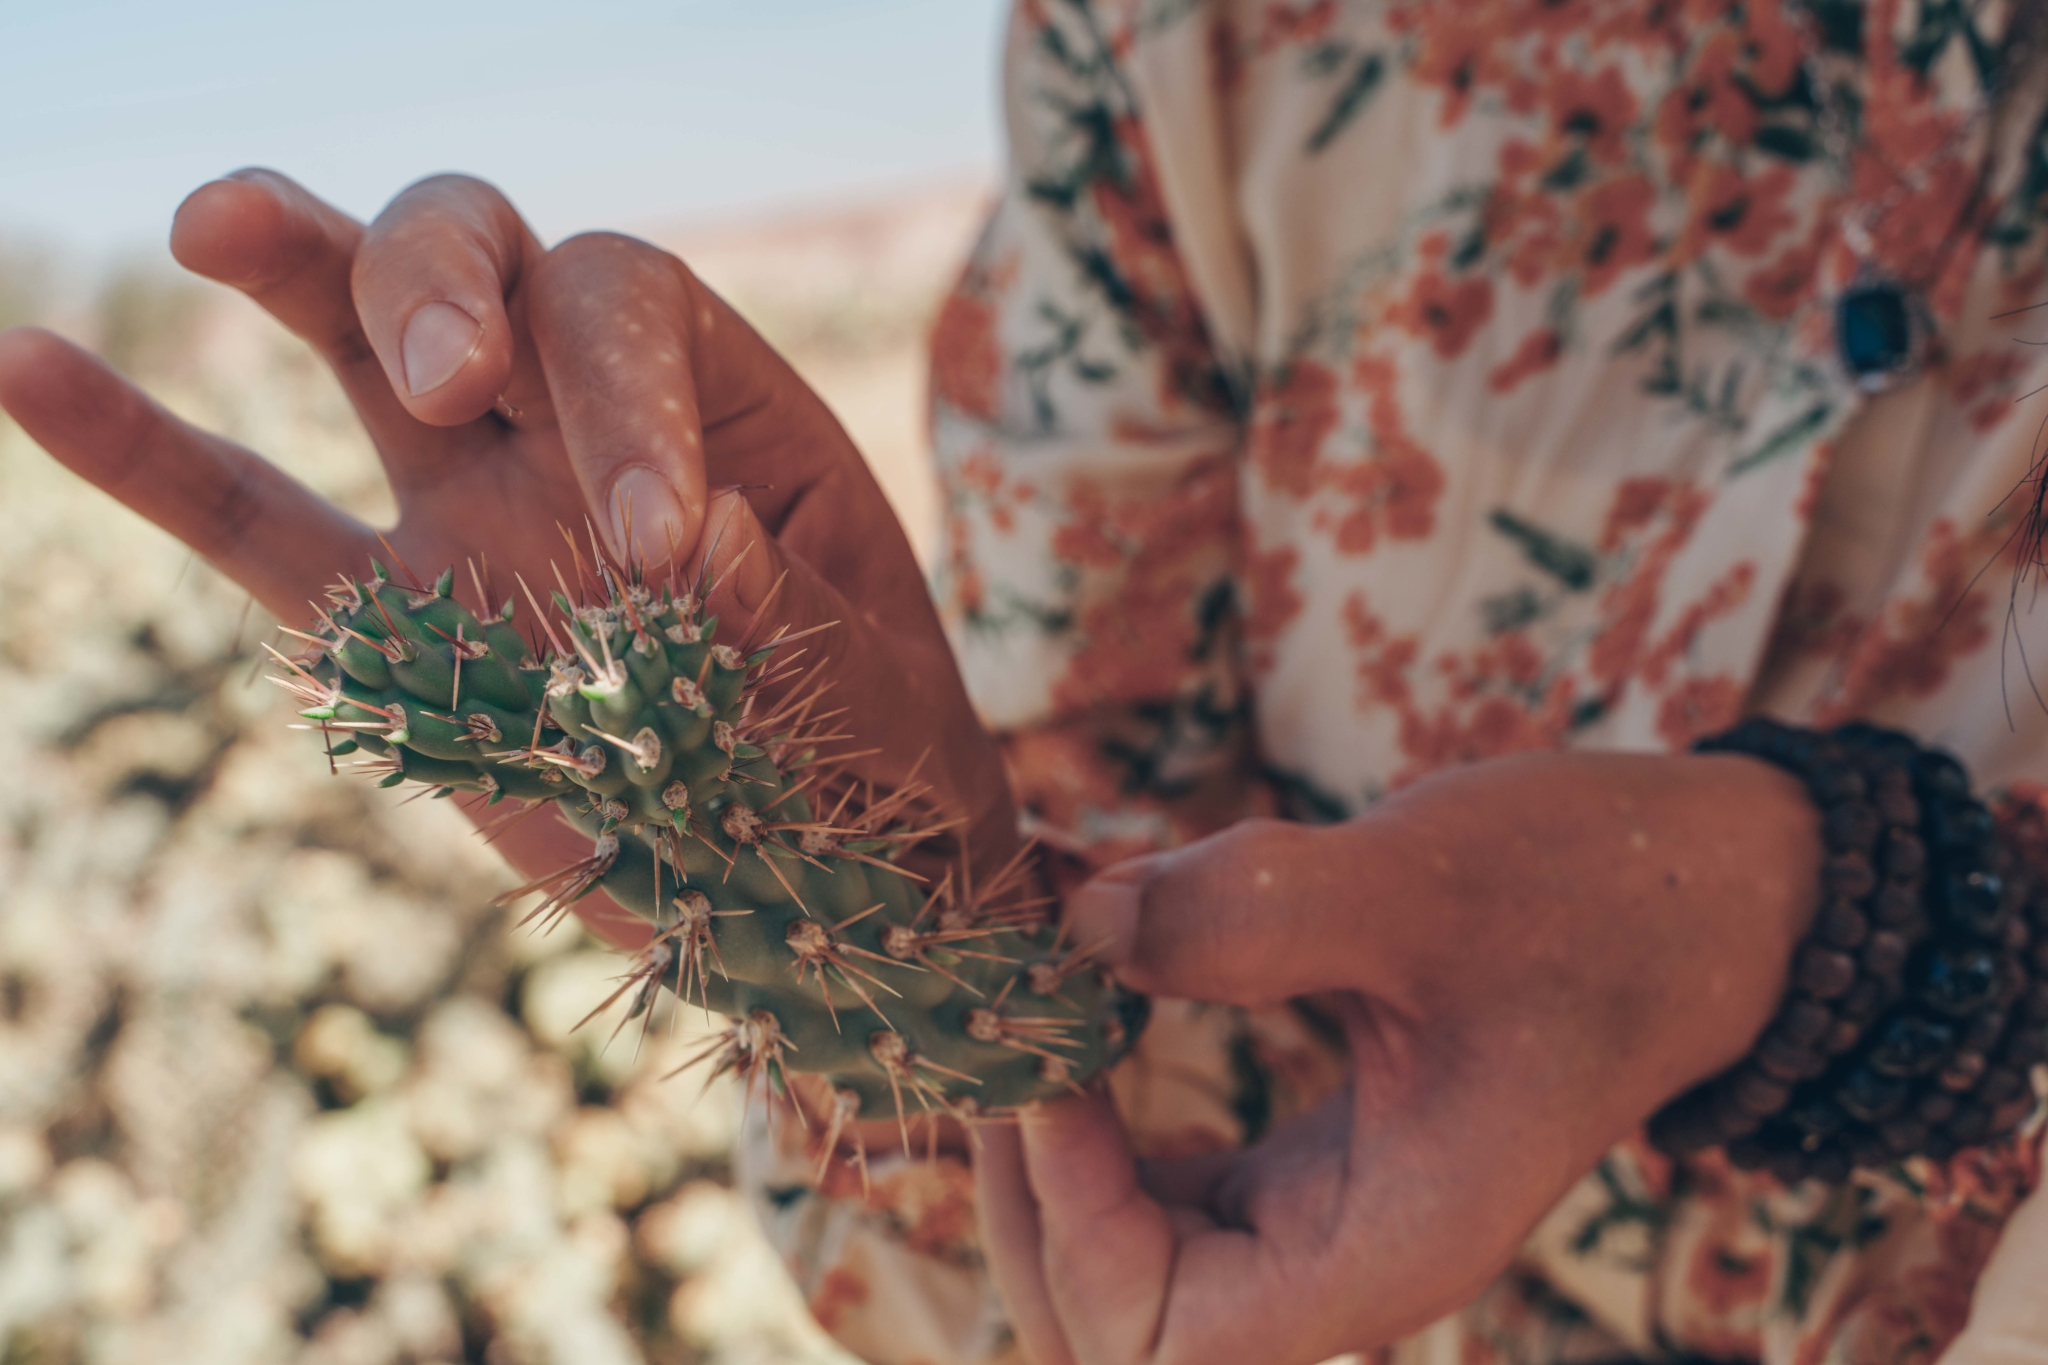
(276, 1084)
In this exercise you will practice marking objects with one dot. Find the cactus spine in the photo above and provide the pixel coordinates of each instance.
(769, 875)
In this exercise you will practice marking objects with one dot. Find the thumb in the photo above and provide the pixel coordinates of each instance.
(1254, 915)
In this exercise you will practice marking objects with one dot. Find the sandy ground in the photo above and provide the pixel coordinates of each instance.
(276, 1083)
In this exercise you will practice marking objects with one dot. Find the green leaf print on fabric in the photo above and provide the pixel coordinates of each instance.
(1351, 98)
(1570, 564)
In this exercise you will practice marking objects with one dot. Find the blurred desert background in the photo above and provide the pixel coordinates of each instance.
(276, 1083)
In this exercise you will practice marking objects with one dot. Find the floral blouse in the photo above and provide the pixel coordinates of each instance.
(1341, 391)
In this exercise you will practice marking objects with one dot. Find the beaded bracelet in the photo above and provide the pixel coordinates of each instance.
(1916, 1008)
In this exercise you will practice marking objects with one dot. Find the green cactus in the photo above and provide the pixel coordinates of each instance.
(769, 875)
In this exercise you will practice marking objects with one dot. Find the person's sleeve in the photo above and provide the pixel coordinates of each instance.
(1085, 436)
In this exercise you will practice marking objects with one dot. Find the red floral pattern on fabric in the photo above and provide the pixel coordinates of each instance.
(1291, 419)
(1912, 650)
(967, 369)
(1139, 642)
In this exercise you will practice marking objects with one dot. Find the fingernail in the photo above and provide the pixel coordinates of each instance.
(1103, 915)
(647, 517)
(439, 340)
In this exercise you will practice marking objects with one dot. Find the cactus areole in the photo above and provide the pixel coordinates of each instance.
(705, 779)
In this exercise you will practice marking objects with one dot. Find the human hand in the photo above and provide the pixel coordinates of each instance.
(511, 391)
(1529, 957)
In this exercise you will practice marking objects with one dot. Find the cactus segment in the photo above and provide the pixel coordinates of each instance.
(772, 878)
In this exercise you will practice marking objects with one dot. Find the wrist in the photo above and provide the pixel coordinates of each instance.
(1616, 926)
(1770, 841)
(1736, 854)
(1906, 1024)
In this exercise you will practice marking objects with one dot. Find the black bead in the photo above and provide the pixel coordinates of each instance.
(1684, 1125)
(1782, 1059)
(1841, 924)
(2025, 1047)
(2034, 1006)
(1752, 735)
(1787, 1167)
(1822, 972)
(1817, 1116)
(1829, 1165)
(1865, 1149)
(1892, 794)
(1902, 1136)
(1757, 1094)
(1865, 1095)
(1971, 1125)
(1849, 875)
(1903, 854)
(1982, 1031)
(1747, 1154)
(1836, 782)
(1731, 1119)
(1962, 826)
(1938, 774)
(1864, 1001)
(2008, 1116)
(1884, 953)
(1798, 749)
(1958, 981)
(1936, 1107)
(1842, 1036)
(1962, 1072)
(1911, 1045)
(1849, 827)
(2013, 979)
(2001, 1085)
(1896, 904)
(1973, 898)
(1802, 1022)
(1895, 746)
(1939, 1146)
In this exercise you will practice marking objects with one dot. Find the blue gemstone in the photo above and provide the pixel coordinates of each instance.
(1874, 328)
(1912, 1046)
(1865, 1095)
(1958, 981)
(1974, 898)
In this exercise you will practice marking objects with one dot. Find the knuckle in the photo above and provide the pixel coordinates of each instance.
(446, 217)
(128, 454)
(626, 282)
(350, 348)
(596, 240)
(272, 182)
(610, 251)
(451, 188)
(1247, 845)
(233, 509)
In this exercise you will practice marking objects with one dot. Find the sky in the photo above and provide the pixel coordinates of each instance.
(597, 113)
